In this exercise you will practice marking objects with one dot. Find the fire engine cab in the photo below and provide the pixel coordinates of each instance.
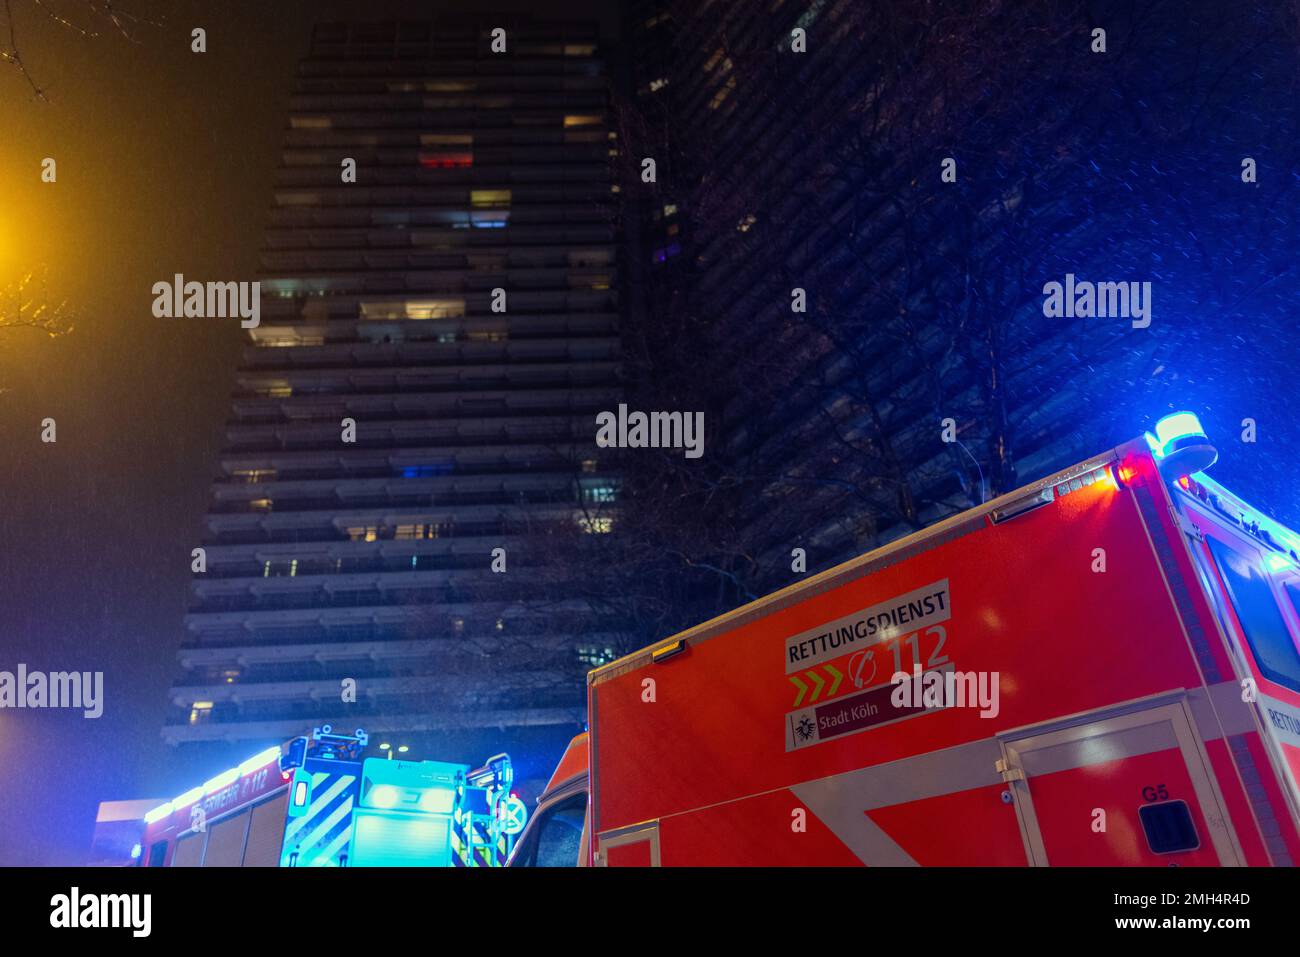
(317, 802)
(1099, 668)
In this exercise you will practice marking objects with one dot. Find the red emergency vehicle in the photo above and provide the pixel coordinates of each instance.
(1100, 668)
(318, 802)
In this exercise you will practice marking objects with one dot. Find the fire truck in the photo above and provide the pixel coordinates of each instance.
(314, 801)
(1099, 668)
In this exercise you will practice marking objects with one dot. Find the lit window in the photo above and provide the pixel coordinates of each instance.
(230, 676)
(260, 505)
(593, 656)
(582, 119)
(446, 159)
(447, 139)
(659, 84)
(600, 494)
(725, 91)
(409, 531)
(200, 711)
(310, 122)
(253, 476)
(745, 223)
(363, 533)
(284, 342)
(595, 526)
(424, 471)
(670, 209)
(481, 198)
(414, 309)
(579, 49)
(589, 465)
(458, 625)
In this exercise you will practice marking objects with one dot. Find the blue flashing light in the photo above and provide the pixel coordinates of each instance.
(1174, 431)
(136, 851)
(1180, 446)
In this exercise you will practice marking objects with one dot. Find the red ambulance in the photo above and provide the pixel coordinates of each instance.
(1100, 668)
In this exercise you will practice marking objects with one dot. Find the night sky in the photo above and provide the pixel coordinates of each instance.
(165, 162)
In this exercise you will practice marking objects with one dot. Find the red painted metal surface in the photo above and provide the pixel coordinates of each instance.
(699, 743)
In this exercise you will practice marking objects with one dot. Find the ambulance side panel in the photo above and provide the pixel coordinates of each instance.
(759, 743)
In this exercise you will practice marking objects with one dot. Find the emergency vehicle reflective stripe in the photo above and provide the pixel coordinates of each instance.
(459, 839)
(1270, 827)
(316, 838)
(842, 800)
(482, 843)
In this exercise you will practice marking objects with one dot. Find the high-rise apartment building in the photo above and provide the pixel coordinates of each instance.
(855, 232)
(413, 420)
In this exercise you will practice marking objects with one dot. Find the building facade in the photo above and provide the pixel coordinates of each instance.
(413, 420)
(857, 210)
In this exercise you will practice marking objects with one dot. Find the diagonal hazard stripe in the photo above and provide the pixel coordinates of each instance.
(803, 689)
(816, 680)
(343, 810)
(332, 849)
(319, 802)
